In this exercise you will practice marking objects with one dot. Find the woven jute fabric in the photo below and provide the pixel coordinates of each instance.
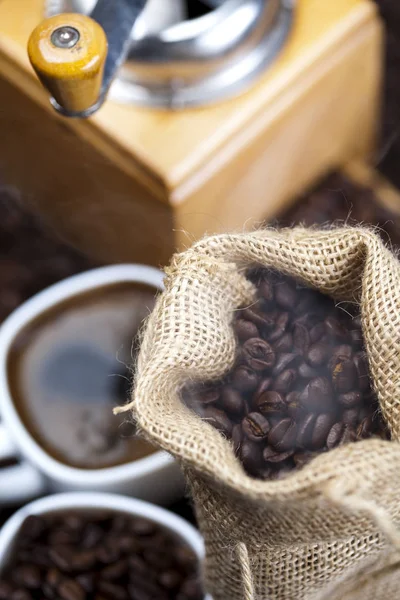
(329, 530)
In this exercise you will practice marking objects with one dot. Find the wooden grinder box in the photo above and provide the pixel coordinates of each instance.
(134, 184)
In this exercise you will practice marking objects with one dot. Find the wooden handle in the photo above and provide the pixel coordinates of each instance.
(68, 53)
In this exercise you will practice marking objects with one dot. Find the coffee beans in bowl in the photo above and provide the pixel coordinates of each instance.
(98, 555)
(300, 385)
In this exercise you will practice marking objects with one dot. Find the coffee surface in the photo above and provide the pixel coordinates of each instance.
(70, 367)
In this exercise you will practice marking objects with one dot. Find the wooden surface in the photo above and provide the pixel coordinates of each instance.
(73, 75)
(133, 184)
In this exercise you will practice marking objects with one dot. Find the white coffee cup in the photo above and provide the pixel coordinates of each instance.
(155, 477)
(94, 500)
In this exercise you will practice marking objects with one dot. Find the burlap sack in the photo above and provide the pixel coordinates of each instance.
(330, 530)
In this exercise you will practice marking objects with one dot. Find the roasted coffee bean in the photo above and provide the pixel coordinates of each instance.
(255, 427)
(87, 580)
(284, 382)
(245, 379)
(317, 396)
(361, 365)
(317, 332)
(27, 576)
(305, 430)
(218, 419)
(22, 594)
(237, 438)
(335, 435)
(283, 361)
(71, 590)
(301, 338)
(270, 455)
(307, 372)
(271, 404)
(284, 343)
(266, 290)
(282, 436)
(32, 528)
(350, 416)
(251, 456)
(285, 295)
(294, 407)
(115, 571)
(245, 329)
(335, 328)
(322, 427)
(318, 354)
(6, 590)
(232, 401)
(350, 400)
(263, 321)
(62, 557)
(170, 580)
(263, 386)
(344, 375)
(258, 354)
(281, 324)
(112, 590)
(339, 353)
(365, 427)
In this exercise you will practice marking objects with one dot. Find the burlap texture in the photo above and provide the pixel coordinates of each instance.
(329, 530)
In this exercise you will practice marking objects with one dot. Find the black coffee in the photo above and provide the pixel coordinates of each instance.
(69, 368)
(98, 556)
(300, 385)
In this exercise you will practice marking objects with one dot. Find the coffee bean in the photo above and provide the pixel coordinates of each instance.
(283, 361)
(251, 456)
(32, 528)
(284, 382)
(22, 595)
(335, 435)
(255, 427)
(258, 354)
(232, 401)
(365, 427)
(361, 365)
(71, 590)
(307, 372)
(317, 354)
(339, 353)
(281, 324)
(350, 400)
(305, 430)
(237, 437)
(263, 321)
(266, 291)
(271, 403)
(317, 396)
(270, 455)
(263, 386)
(87, 580)
(170, 580)
(62, 558)
(210, 396)
(294, 407)
(285, 295)
(344, 375)
(111, 590)
(6, 590)
(27, 576)
(282, 436)
(322, 427)
(245, 329)
(245, 379)
(317, 332)
(350, 416)
(218, 419)
(284, 343)
(335, 328)
(301, 338)
(93, 535)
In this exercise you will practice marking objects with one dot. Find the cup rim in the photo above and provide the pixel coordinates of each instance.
(18, 320)
(103, 501)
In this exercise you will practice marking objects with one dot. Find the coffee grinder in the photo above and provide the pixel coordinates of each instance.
(153, 123)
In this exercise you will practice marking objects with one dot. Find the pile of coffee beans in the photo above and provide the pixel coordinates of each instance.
(337, 199)
(98, 556)
(32, 256)
(300, 385)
